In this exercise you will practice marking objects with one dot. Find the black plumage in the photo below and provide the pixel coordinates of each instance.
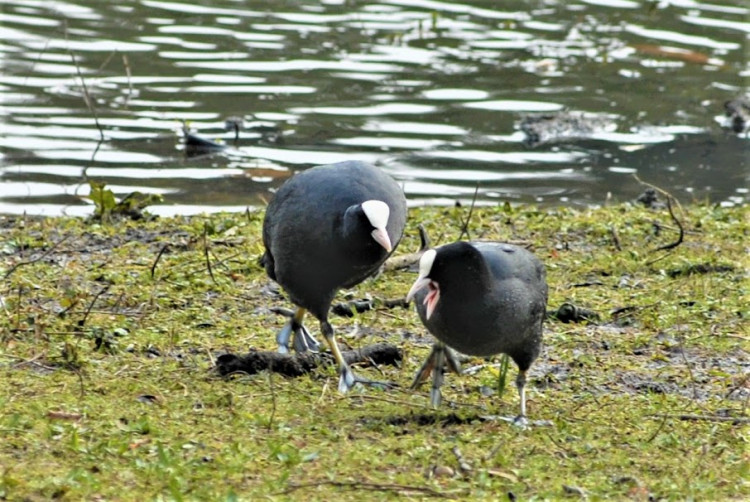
(481, 298)
(327, 228)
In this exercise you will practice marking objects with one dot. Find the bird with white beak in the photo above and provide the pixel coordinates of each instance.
(481, 299)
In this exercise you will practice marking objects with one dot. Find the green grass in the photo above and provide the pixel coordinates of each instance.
(108, 391)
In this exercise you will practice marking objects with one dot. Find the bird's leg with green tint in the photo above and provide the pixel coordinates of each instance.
(302, 340)
(347, 378)
(521, 420)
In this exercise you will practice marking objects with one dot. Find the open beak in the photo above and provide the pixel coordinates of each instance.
(432, 298)
(381, 237)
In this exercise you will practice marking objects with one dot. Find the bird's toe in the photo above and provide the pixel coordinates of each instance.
(282, 338)
(304, 341)
(347, 379)
(521, 421)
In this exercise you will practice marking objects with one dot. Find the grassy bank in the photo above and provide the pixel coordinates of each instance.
(109, 333)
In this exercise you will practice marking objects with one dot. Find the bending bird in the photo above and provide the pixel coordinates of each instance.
(481, 299)
(327, 228)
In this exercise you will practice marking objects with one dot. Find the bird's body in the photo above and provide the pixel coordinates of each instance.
(327, 228)
(310, 250)
(483, 298)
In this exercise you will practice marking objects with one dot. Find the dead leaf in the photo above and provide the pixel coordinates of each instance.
(64, 415)
(138, 443)
(503, 474)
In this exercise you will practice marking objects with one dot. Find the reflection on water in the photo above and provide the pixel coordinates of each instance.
(432, 91)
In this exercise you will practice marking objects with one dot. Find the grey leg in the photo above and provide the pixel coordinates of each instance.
(435, 363)
(521, 419)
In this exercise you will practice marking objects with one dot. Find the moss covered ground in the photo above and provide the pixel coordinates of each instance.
(109, 334)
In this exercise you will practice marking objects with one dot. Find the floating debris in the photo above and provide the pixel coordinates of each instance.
(563, 126)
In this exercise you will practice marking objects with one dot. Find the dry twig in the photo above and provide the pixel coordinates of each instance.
(676, 220)
(406, 260)
(205, 253)
(425, 491)
(465, 226)
(82, 322)
(707, 418)
(158, 257)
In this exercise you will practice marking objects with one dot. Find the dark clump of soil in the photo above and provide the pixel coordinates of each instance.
(295, 365)
(425, 419)
(700, 268)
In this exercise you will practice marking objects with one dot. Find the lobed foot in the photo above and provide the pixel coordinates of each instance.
(348, 379)
(302, 340)
(520, 421)
(435, 364)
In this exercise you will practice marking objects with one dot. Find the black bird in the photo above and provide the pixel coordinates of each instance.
(482, 299)
(327, 228)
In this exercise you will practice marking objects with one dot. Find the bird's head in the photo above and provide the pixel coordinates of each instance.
(424, 280)
(458, 268)
(377, 213)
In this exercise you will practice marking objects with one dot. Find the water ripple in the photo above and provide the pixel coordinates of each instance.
(432, 91)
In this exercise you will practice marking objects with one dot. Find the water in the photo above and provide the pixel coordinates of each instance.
(431, 91)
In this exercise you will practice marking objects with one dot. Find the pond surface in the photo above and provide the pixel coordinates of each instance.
(431, 91)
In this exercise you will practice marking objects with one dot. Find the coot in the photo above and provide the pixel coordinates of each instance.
(327, 228)
(482, 299)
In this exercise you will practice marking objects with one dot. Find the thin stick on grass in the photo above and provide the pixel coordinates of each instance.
(158, 257)
(463, 465)
(32, 361)
(677, 222)
(80, 381)
(205, 253)
(465, 227)
(693, 383)
(707, 418)
(658, 429)
(399, 489)
(681, 228)
(40, 257)
(82, 322)
(406, 260)
(106, 61)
